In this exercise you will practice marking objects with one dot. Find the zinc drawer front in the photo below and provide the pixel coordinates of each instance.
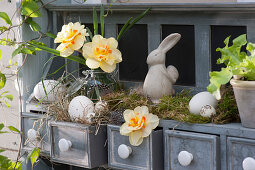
(147, 156)
(86, 149)
(191, 151)
(238, 150)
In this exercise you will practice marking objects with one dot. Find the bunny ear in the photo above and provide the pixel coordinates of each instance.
(169, 42)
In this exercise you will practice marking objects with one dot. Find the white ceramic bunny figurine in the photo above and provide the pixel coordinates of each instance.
(159, 79)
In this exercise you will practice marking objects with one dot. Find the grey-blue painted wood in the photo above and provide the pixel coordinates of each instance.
(238, 150)
(204, 148)
(39, 123)
(147, 156)
(88, 148)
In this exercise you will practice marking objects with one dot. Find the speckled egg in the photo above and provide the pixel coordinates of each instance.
(201, 99)
(79, 107)
(101, 107)
(207, 111)
(52, 87)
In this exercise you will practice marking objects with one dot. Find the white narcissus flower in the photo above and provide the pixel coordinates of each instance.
(71, 37)
(102, 52)
(139, 123)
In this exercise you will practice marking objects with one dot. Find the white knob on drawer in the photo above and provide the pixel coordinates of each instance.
(185, 158)
(249, 163)
(64, 145)
(32, 134)
(124, 151)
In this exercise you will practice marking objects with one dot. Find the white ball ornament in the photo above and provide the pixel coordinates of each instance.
(79, 107)
(201, 99)
(52, 87)
(207, 111)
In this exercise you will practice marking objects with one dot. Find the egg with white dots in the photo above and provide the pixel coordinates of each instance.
(207, 111)
(79, 107)
(201, 99)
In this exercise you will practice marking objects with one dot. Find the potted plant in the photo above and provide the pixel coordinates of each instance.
(240, 72)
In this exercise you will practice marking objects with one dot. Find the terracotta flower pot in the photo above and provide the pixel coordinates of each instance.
(245, 98)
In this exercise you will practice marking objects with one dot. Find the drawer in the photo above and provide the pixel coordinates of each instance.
(35, 132)
(191, 151)
(238, 150)
(149, 155)
(78, 145)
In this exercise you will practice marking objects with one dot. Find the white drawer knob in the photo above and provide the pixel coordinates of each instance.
(64, 145)
(124, 151)
(32, 134)
(249, 163)
(185, 158)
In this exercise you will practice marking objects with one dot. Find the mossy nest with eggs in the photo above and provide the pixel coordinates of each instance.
(176, 107)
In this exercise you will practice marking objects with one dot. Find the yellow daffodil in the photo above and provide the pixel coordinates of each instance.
(103, 53)
(139, 123)
(71, 37)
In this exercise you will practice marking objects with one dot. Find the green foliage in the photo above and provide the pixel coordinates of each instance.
(129, 25)
(33, 25)
(1, 53)
(51, 35)
(95, 22)
(6, 18)
(13, 129)
(102, 19)
(30, 9)
(237, 63)
(2, 80)
(33, 155)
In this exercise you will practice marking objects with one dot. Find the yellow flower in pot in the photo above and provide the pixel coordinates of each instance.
(240, 71)
(103, 53)
(71, 37)
(139, 124)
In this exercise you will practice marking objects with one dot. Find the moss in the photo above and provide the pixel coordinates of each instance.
(176, 107)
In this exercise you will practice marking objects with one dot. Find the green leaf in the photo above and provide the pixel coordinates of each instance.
(51, 35)
(129, 25)
(9, 97)
(251, 48)
(1, 53)
(26, 51)
(1, 126)
(2, 150)
(123, 29)
(16, 166)
(13, 129)
(6, 18)
(2, 80)
(33, 25)
(30, 8)
(90, 33)
(4, 132)
(57, 53)
(17, 51)
(102, 19)
(217, 79)
(34, 155)
(95, 22)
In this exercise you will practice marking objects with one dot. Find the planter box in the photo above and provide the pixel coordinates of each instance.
(89, 2)
(181, 1)
(37, 122)
(148, 156)
(85, 150)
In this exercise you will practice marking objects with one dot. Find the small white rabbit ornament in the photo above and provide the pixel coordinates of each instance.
(159, 79)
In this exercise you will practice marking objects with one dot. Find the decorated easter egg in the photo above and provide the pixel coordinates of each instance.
(207, 111)
(79, 107)
(101, 107)
(201, 99)
(52, 88)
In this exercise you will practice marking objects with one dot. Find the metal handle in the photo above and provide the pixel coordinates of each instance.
(64, 145)
(124, 151)
(185, 158)
(32, 134)
(249, 163)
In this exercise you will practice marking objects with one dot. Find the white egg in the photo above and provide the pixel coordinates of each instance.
(79, 107)
(101, 107)
(52, 87)
(207, 111)
(201, 99)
